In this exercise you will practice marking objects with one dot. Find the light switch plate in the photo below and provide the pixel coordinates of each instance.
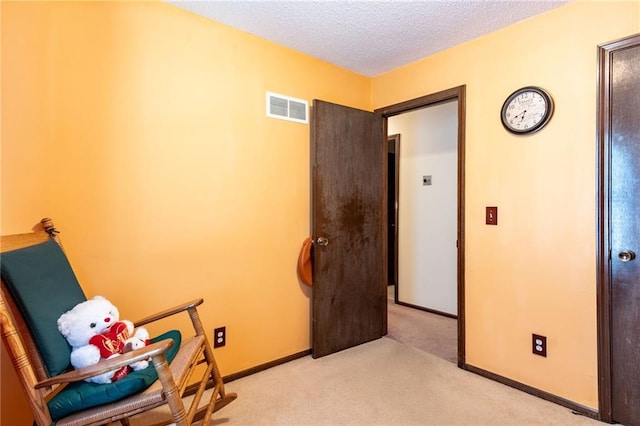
(492, 216)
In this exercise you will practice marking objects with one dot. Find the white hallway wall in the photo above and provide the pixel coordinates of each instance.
(427, 215)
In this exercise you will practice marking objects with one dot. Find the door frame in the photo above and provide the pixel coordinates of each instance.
(396, 140)
(456, 93)
(603, 246)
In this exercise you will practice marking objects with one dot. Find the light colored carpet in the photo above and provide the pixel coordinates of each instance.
(409, 377)
(383, 382)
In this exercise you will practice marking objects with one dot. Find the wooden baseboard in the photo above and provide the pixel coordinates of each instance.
(265, 366)
(431, 311)
(573, 406)
(191, 389)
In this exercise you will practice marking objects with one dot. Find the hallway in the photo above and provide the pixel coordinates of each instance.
(431, 333)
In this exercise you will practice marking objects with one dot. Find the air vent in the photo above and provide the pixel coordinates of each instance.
(287, 108)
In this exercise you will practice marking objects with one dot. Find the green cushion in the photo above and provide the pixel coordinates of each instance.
(43, 285)
(82, 395)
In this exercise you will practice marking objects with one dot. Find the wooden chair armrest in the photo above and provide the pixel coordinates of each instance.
(172, 311)
(153, 350)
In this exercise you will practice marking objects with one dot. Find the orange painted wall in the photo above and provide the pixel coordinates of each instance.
(535, 271)
(141, 129)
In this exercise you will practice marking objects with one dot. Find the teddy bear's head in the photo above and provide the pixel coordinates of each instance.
(87, 319)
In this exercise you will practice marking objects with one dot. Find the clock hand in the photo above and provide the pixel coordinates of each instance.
(518, 115)
(523, 113)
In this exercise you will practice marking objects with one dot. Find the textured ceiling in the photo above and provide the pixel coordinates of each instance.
(369, 37)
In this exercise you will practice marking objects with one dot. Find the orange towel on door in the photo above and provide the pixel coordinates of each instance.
(304, 262)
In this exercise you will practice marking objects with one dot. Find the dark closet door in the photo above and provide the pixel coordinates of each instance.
(620, 115)
(625, 235)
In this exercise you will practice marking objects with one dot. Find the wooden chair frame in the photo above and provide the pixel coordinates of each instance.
(173, 380)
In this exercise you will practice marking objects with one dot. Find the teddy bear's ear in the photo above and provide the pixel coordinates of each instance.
(99, 298)
(64, 323)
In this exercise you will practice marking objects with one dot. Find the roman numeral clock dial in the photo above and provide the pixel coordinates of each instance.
(527, 110)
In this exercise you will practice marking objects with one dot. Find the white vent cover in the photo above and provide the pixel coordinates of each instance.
(287, 108)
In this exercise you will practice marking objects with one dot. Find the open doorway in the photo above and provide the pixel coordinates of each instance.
(455, 98)
(427, 206)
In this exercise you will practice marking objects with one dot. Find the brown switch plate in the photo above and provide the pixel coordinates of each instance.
(492, 215)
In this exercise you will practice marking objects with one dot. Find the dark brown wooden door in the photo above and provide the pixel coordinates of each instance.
(348, 153)
(393, 169)
(625, 235)
(620, 115)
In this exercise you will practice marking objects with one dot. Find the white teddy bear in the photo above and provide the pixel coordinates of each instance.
(94, 331)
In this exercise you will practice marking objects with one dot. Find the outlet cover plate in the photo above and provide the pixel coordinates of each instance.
(219, 337)
(539, 345)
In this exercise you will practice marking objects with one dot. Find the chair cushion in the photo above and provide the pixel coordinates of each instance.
(79, 396)
(43, 285)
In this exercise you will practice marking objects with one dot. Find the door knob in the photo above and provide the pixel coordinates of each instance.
(322, 241)
(626, 255)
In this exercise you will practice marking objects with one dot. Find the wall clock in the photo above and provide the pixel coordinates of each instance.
(526, 110)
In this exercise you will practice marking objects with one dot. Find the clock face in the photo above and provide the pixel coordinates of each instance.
(527, 110)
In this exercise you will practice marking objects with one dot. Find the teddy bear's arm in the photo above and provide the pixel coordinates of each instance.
(130, 326)
(85, 356)
(153, 350)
